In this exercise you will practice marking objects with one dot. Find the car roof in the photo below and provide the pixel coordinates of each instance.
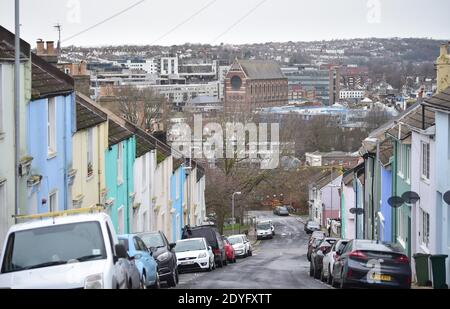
(234, 236)
(40, 223)
(190, 239)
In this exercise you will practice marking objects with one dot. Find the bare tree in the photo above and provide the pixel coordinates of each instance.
(143, 107)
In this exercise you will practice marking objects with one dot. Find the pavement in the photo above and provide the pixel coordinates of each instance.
(278, 263)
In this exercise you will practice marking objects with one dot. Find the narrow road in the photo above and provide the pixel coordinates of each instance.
(279, 263)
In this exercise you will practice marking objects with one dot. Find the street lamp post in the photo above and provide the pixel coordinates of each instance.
(232, 207)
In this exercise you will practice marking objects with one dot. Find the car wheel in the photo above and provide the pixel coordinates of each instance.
(250, 253)
(330, 277)
(311, 270)
(172, 282)
(322, 276)
(210, 267)
(220, 264)
(316, 273)
(225, 262)
(343, 285)
(143, 282)
(333, 282)
(157, 284)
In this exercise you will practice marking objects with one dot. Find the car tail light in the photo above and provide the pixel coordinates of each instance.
(358, 255)
(323, 249)
(349, 273)
(402, 259)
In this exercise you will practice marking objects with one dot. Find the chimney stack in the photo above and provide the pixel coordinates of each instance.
(50, 48)
(40, 49)
(443, 69)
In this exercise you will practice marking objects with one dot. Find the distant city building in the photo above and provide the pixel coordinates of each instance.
(169, 66)
(335, 84)
(181, 94)
(334, 158)
(351, 94)
(252, 84)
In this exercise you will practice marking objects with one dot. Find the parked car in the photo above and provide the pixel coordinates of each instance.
(318, 235)
(164, 254)
(215, 240)
(275, 210)
(291, 209)
(264, 230)
(194, 254)
(143, 259)
(241, 245)
(229, 251)
(317, 255)
(55, 253)
(311, 226)
(368, 263)
(330, 258)
(282, 211)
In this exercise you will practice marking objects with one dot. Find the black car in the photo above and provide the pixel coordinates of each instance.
(215, 240)
(368, 263)
(164, 254)
(314, 241)
(311, 226)
(317, 255)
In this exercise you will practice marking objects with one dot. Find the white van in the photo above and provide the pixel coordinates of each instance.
(264, 230)
(70, 252)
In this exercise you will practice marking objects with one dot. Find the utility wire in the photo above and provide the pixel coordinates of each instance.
(184, 21)
(253, 9)
(104, 21)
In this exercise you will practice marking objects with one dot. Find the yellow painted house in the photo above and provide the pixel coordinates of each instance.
(89, 145)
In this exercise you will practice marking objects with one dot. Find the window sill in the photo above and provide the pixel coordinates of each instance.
(2, 135)
(400, 174)
(51, 155)
(89, 178)
(119, 183)
(425, 180)
(425, 249)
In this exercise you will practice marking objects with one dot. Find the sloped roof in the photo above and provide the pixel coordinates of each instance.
(261, 69)
(47, 80)
(439, 101)
(413, 119)
(88, 114)
(327, 178)
(7, 44)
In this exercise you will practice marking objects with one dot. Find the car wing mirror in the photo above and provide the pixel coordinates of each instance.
(152, 250)
(172, 246)
(121, 252)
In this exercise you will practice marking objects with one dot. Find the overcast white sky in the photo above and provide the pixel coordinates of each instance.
(273, 20)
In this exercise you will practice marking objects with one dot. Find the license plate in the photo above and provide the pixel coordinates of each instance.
(187, 263)
(379, 277)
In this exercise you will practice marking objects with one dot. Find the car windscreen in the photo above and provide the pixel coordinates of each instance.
(381, 247)
(53, 245)
(190, 245)
(283, 209)
(263, 226)
(152, 240)
(124, 242)
(235, 240)
(206, 233)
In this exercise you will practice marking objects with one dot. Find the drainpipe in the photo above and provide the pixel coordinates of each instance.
(66, 186)
(17, 106)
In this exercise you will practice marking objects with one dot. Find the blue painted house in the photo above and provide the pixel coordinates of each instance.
(119, 173)
(50, 125)
(177, 182)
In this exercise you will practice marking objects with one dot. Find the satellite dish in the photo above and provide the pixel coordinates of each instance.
(447, 197)
(396, 201)
(410, 197)
(357, 211)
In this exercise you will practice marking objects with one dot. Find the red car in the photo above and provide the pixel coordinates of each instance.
(229, 251)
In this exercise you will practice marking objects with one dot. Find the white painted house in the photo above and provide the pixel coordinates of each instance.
(162, 216)
(144, 184)
(7, 136)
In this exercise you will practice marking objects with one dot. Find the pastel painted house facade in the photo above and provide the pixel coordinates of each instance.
(50, 126)
(89, 146)
(7, 137)
(348, 202)
(162, 211)
(119, 168)
(177, 185)
(440, 105)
